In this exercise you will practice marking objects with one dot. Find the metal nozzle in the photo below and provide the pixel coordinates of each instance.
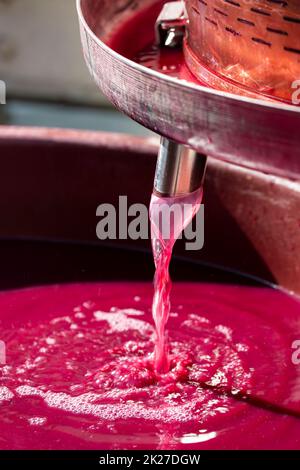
(170, 25)
(180, 170)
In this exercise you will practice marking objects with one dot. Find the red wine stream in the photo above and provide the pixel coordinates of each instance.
(169, 217)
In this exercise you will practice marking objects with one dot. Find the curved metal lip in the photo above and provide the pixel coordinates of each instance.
(182, 83)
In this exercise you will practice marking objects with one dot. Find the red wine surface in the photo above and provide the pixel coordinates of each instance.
(79, 369)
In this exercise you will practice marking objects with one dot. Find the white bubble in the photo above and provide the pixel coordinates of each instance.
(50, 341)
(79, 315)
(119, 322)
(5, 394)
(37, 421)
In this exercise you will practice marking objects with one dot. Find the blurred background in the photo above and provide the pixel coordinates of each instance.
(47, 81)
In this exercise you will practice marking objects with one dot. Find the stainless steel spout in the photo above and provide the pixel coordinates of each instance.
(180, 170)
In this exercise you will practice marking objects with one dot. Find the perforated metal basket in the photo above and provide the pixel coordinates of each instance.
(254, 44)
